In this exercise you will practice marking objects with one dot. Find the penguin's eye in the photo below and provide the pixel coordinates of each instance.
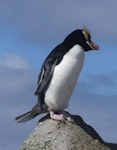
(86, 35)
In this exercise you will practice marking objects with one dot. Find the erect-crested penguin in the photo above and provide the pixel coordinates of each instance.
(58, 76)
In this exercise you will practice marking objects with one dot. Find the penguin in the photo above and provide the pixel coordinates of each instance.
(58, 76)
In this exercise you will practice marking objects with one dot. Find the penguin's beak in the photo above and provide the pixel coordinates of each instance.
(93, 45)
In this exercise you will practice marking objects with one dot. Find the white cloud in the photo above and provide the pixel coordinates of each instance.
(14, 61)
(18, 79)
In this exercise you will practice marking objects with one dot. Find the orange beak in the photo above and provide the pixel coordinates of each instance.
(93, 45)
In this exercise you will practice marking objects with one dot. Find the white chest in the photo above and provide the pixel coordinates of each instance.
(64, 79)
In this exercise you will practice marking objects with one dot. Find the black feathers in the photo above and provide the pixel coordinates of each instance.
(36, 110)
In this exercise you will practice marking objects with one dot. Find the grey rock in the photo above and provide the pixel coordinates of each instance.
(57, 135)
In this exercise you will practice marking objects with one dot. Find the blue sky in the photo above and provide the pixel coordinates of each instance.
(29, 30)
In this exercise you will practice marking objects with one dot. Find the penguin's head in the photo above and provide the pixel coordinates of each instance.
(83, 38)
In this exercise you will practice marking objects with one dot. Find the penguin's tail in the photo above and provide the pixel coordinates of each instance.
(36, 110)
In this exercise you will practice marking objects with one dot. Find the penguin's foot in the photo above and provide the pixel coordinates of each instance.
(61, 116)
(57, 116)
(66, 116)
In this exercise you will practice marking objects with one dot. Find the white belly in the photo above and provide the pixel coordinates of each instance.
(64, 79)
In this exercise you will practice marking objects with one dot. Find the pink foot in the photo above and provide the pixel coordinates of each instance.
(56, 116)
(66, 116)
(61, 116)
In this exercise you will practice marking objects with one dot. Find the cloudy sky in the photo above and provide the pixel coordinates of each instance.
(29, 30)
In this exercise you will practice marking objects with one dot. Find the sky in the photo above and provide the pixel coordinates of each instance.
(29, 30)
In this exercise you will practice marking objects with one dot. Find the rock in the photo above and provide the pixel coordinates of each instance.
(57, 135)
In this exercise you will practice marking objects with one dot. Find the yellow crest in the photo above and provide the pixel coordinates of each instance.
(86, 33)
